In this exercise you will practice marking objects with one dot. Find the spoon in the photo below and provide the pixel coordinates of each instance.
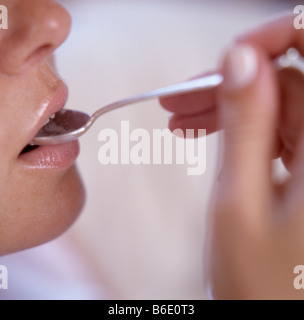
(69, 125)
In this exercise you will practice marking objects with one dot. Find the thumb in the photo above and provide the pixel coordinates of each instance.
(248, 108)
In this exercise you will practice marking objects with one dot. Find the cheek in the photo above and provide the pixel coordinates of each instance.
(37, 207)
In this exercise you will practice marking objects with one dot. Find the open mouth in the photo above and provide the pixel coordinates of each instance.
(28, 148)
(31, 147)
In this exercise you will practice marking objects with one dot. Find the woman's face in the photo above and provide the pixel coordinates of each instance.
(40, 191)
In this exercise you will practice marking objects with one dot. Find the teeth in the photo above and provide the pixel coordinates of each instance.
(49, 119)
(46, 122)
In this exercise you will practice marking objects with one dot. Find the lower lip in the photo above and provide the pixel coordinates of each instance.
(59, 157)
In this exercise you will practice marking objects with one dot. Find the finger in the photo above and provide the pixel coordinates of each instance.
(206, 120)
(248, 108)
(295, 185)
(276, 37)
(292, 111)
(190, 103)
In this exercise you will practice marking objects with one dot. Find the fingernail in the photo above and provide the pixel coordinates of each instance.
(240, 67)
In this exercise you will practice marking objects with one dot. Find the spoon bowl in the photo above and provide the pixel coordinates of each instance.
(67, 125)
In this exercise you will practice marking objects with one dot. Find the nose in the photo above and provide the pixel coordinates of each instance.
(35, 29)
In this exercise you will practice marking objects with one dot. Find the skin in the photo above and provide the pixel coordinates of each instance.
(36, 205)
(256, 236)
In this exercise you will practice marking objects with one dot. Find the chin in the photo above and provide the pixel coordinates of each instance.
(66, 206)
(53, 208)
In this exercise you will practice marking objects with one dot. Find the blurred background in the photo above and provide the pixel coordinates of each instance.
(142, 231)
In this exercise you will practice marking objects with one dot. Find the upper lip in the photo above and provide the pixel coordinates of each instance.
(52, 105)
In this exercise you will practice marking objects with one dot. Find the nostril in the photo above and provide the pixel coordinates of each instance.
(40, 53)
(36, 30)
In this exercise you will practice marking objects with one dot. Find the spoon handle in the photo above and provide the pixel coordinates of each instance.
(207, 82)
(292, 59)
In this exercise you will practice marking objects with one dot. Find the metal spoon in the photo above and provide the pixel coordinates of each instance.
(69, 125)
